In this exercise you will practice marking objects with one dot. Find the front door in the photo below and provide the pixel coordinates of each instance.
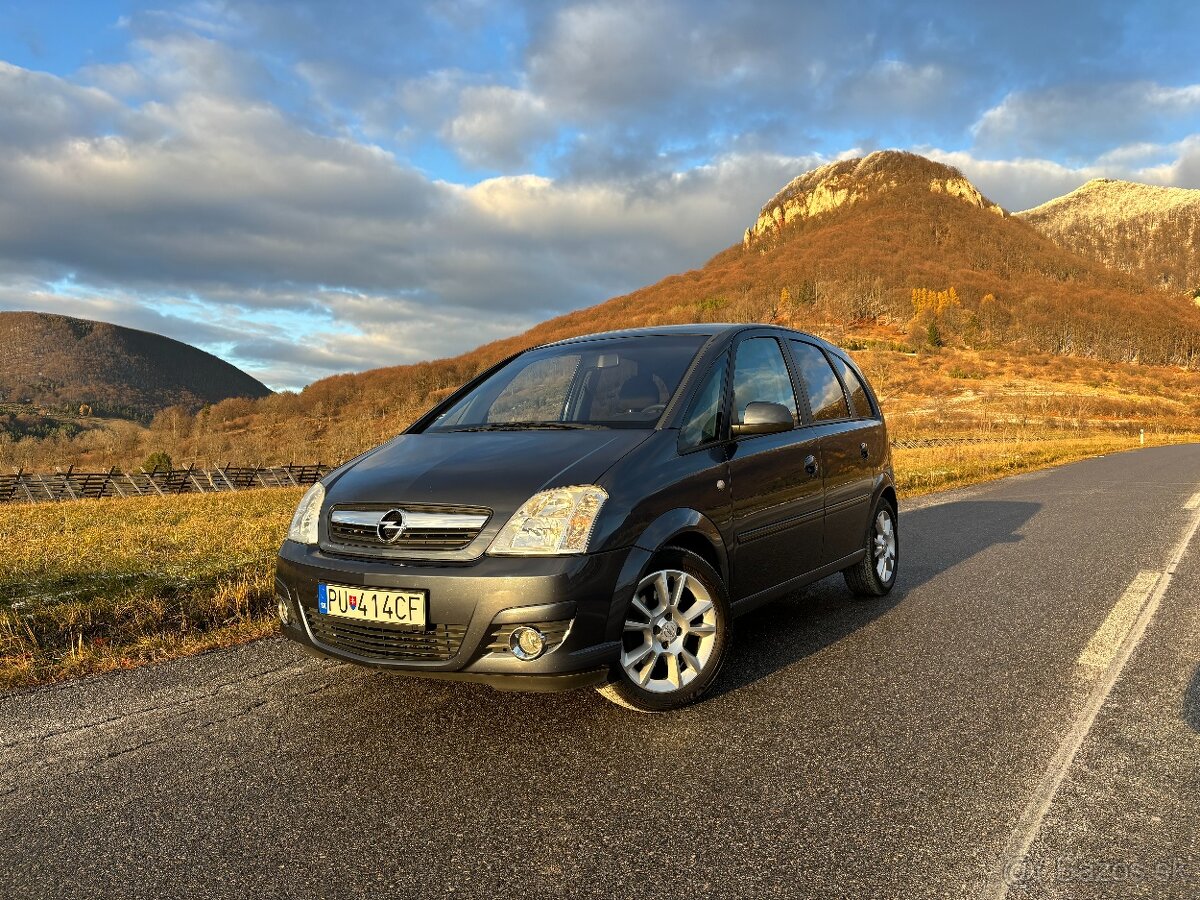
(775, 480)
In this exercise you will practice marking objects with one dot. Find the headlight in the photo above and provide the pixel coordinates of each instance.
(553, 522)
(303, 529)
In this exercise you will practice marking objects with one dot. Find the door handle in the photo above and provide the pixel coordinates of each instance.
(810, 465)
(864, 450)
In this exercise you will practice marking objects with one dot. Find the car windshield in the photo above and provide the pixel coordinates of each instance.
(608, 383)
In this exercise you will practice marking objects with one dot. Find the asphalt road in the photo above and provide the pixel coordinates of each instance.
(907, 746)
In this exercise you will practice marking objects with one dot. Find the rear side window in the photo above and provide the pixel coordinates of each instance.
(825, 396)
(761, 375)
(702, 425)
(858, 393)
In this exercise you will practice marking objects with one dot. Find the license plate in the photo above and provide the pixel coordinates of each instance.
(366, 604)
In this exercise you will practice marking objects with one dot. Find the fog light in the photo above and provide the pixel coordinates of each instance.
(527, 643)
(285, 613)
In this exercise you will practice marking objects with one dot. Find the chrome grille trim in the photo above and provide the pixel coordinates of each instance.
(369, 518)
(353, 528)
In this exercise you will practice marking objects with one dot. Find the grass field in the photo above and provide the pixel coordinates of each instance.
(105, 584)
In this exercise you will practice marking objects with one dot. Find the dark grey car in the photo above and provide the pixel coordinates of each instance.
(597, 512)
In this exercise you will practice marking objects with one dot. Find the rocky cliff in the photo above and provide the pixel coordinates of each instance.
(850, 181)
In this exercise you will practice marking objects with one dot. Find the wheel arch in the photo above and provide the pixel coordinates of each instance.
(885, 489)
(688, 529)
(697, 543)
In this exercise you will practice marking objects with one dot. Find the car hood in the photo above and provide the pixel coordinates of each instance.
(496, 469)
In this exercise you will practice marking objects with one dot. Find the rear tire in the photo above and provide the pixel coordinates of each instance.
(675, 635)
(875, 574)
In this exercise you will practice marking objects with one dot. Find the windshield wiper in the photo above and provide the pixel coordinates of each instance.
(528, 426)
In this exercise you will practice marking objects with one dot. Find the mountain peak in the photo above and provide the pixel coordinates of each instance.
(850, 181)
(1120, 199)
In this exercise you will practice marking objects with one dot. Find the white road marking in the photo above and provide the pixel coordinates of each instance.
(1030, 823)
(1110, 636)
(1193, 501)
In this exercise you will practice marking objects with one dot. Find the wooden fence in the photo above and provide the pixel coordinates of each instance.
(917, 443)
(68, 484)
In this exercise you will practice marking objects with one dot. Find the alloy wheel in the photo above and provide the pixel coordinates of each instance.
(885, 546)
(670, 633)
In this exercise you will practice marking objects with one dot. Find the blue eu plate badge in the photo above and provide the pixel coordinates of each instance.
(323, 598)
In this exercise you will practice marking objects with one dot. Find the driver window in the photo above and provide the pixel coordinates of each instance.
(761, 375)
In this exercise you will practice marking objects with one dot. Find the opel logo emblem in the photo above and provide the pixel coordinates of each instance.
(390, 526)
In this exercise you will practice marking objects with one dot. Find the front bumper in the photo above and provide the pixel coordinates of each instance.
(469, 608)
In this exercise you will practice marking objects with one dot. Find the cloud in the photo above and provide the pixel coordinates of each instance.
(222, 214)
(594, 60)
(1182, 170)
(1085, 119)
(891, 88)
(499, 127)
(37, 109)
(600, 88)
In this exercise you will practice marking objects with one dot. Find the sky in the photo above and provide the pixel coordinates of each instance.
(307, 188)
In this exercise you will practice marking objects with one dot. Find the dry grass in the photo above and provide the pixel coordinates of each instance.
(105, 584)
(928, 469)
(100, 585)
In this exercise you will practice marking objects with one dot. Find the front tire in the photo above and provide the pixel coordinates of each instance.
(675, 635)
(875, 574)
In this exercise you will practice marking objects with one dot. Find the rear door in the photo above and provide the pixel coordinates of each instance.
(851, 445)
(777, 503)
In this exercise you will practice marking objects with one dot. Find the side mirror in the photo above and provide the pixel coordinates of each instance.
(764, 418)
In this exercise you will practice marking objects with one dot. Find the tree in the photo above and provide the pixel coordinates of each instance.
(937, 302)
(157, 460)
(933, 334)
(174, 420)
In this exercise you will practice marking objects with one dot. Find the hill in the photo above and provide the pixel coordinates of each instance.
(1144, 229)
(58, 363)
(965, 317)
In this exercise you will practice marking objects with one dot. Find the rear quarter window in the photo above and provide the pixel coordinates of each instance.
(859, 398)
(825, 396)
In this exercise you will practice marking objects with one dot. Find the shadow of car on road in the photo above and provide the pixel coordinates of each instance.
(1191, 701)
(933, 539)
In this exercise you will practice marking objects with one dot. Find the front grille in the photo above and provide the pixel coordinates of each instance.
(427, 527)
(374, 640)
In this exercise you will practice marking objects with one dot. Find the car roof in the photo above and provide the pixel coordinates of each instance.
(705, 329)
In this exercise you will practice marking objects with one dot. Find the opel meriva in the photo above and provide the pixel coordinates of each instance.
(597, 511)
